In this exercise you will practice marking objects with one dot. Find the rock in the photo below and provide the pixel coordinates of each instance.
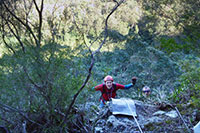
(155, 119)
(172, 114)
(128, 122)
(98, 130)
(88, 105)
(149, 117)
(197, 128)
(143, 108)
(160, 112)
(119, 128)
(152, 121)
(101, 122)
(112, 121)
(117, 125)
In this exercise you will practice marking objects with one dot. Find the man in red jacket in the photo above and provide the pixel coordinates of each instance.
(108, 89)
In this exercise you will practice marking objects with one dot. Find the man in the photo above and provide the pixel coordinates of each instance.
(108, 89)
(146, 91)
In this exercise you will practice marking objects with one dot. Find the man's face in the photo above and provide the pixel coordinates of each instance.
(109, 84)
(146, 91)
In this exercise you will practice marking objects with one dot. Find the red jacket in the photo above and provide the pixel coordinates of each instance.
(107, 94)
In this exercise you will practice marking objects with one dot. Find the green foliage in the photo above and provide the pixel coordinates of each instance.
(189, 89)
(153, 68)
(41, 80)
(171, 45)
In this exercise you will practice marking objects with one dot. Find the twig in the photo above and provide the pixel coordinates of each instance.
(106, 26)
(83, 126)
(3, 36)
(37, 86)
(15, 34)
(40, 21)
(179, 114)
(24, 127)
(59, 112)
(76, 125)
(182, 119)
(115, 1)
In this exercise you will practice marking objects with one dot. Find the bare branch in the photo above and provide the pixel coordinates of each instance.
(3, 36)
(90, 68)
(12, 31)
(24, 127)
(36, 6)
(27, 10)
(179, 114)
(16, 35)
(106, 26)
(42, 5)
(21, 112)
(7, 121)
(10, 108)
(116, 2)
(7, 45)
(40, 21)
(18, 19)
(37, 86)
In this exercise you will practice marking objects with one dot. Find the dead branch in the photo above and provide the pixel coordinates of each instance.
(83, 127)
(91, 66)
(21, 112)
(24, 127)
(36, 85)
(7, 45)
(40, 21)
(27, 8)
(7, 121)
(18, 19)
(3, 36)
(179, 114)
(15, 34)
(106, 26)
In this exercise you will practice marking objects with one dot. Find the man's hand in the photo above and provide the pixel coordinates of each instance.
(134, 80)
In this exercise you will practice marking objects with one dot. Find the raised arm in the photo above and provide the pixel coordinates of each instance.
(128, 86)
(98, 87)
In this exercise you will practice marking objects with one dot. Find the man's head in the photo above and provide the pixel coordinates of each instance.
(146, 91)
(108, 81)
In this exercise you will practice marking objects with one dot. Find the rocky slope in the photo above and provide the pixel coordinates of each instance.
(151, 118)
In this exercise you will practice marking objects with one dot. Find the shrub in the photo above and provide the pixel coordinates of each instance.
(189, 89)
